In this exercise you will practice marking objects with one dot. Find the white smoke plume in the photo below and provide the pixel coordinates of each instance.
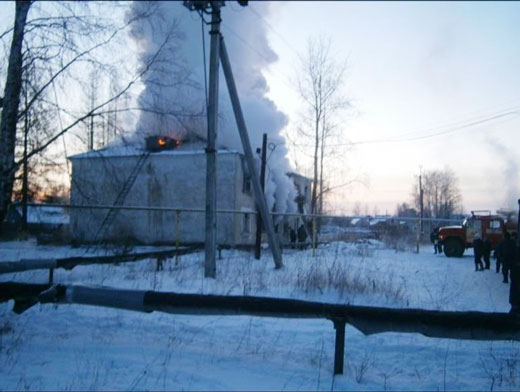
(174, 96)
(510, 171)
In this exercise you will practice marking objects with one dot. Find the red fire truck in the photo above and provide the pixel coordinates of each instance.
(456, 239)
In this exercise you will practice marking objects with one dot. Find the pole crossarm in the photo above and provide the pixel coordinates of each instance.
(71, 262)
(368, 320)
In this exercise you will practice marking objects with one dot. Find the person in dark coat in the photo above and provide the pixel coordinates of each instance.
(514, 288)
(497, 259)
(478, 246)
(486, 252)
(434, 238)
(507, 250)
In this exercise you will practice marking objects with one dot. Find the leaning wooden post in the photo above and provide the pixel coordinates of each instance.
(339, 350)
(51, 275)
(261, 204)
(177, 219)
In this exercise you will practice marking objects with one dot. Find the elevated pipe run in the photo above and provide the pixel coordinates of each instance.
(368, 320)
(71, 262)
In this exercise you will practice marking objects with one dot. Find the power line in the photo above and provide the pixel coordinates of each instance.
(270, 27)
(400, 139)
(282, 77)
(441, 132)
(435, 132)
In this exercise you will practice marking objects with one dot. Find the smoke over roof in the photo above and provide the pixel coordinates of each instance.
(510, 170)
(173, 100)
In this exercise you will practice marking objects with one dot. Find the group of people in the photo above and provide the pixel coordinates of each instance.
(482, 249)
(507, 259)
(504, 254)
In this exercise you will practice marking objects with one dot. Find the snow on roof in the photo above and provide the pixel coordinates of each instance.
(377, 221)
(129, 151)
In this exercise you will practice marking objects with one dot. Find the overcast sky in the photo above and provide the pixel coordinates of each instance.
(415, 70)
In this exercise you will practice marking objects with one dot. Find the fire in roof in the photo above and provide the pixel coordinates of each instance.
(160, 143)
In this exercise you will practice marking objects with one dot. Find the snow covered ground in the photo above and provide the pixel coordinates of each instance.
(76, 347)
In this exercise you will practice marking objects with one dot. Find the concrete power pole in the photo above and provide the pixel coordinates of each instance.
(248, 152)
(210, 270)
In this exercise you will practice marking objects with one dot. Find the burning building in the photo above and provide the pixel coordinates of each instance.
(164, 174)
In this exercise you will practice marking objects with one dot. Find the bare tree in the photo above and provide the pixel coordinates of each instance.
(441, 193)
(58, 45)
(404, 210)
(319, 83)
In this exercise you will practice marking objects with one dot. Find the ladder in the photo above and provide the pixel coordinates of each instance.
(120, 199)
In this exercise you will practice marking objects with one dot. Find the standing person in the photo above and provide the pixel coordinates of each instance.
(507, 254)
(434, 238)
(486, 252)
(498, 257)
(477, 251)
(514, 288)
(439, 246)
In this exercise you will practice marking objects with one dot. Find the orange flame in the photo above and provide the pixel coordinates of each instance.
(161, 142)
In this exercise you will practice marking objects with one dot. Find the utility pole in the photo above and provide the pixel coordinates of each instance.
(218, 50)
(248, 152)
(421, 196)
(210, 269)
(421, 205)
(258, 242)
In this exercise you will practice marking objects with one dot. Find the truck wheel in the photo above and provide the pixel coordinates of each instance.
(453, 248)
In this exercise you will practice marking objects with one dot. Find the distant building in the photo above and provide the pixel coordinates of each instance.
(38, 218)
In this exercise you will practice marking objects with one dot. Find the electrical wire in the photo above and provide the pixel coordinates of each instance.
(434, 132)
(270, 27)
(400, 139)
(283, 78)
(204, 60)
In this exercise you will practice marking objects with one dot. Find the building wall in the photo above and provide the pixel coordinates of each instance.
(167, 179)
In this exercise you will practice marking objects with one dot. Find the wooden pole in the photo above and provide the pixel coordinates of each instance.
(210, 269)
(258, 240)
(313, 236)
(248, 152)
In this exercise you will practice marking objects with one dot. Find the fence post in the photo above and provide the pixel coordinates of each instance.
(339, 350)
(51, 275)
(313, 236)
(418, 238)
(177, 219)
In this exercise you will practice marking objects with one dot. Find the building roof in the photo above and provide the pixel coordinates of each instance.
(293, 174)
(130, 151)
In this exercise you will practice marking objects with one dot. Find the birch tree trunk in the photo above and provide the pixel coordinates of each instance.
(9, 116)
